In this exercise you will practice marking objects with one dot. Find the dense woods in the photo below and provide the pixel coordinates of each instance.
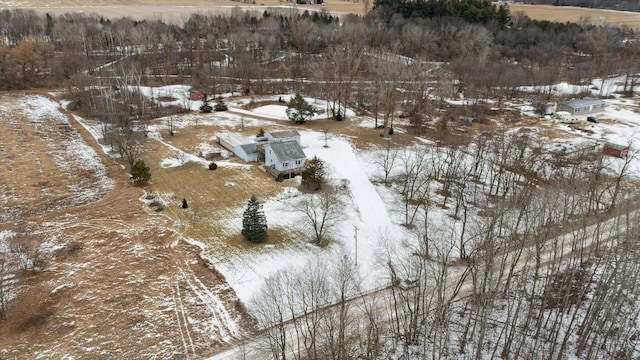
(543, 259)
(268, 52)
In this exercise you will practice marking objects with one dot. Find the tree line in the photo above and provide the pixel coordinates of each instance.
(244, 51)
(622, 5)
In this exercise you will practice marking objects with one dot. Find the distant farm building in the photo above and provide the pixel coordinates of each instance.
(583, 106)
(615, 150)
(195, 95)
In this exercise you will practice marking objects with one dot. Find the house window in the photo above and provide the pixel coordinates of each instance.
(285, 164)
(298, 162)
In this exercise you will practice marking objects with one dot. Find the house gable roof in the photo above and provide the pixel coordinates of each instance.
(287, 151)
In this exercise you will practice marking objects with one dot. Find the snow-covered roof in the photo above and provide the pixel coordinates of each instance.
(249, 148)
(284, 134)
(232, 139)
(287, 150)
(615, 146)
(584, 102)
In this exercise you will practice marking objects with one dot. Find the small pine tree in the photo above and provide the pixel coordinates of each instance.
(205, 107)
(260, 132)
(254, 222)
(313, 177)
(185, 205)
(220, 106)
(140, 173)
(299, 110)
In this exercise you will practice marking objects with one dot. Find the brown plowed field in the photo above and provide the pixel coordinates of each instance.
(177, 11)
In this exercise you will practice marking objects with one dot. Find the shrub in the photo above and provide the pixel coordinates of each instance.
(206, 107)
(213, 166)
(221, 106)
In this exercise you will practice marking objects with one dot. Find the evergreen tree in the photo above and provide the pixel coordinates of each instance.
(254, 222)
(140, 173)
(205, 107)
(299, 110)
(220, 106)
(313, 177)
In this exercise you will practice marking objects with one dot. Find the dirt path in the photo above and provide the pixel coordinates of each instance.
(118, 282)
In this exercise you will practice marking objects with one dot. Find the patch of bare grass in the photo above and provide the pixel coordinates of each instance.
(35, 165)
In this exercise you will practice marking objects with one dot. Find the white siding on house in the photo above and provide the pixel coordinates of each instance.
(248, 152)
(284, 156)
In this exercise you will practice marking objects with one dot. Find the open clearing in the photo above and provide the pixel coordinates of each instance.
(177, 11)
(117, 281)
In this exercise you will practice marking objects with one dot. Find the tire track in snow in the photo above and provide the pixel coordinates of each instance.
(177, 302)
(221, 320)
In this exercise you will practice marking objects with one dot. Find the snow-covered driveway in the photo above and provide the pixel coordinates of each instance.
(344, 164)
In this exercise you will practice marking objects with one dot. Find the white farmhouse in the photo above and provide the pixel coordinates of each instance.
(280, 150)
(285, 157)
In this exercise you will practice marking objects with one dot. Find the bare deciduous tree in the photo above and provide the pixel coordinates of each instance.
(322, 211)
(26, 249)
(387, 160)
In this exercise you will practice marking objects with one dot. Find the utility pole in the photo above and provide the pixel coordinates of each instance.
(356, 238)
